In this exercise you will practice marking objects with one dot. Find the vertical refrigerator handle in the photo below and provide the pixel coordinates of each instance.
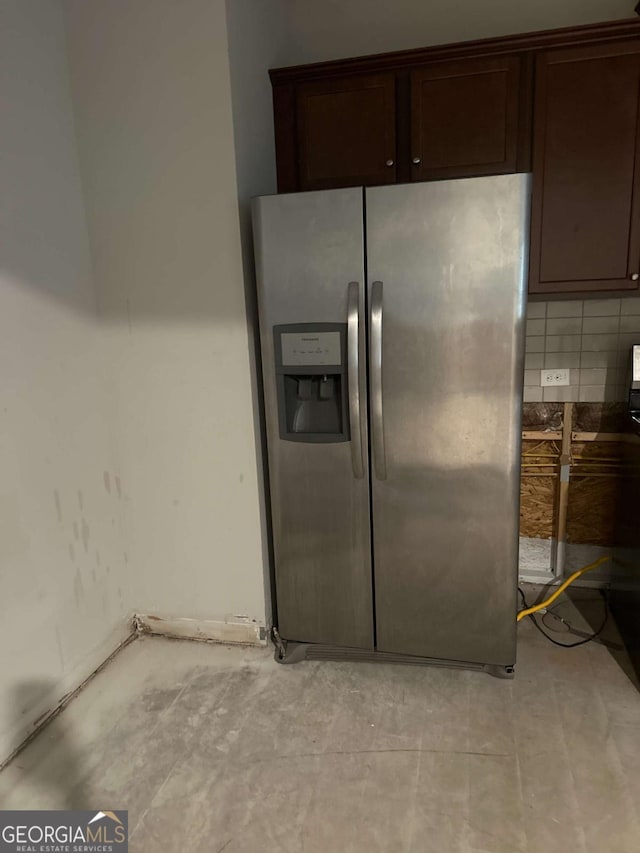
(375, 368)
(353, 361)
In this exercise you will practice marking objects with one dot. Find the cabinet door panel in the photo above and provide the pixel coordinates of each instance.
(585, 227)
(464, 117)
(346, 131)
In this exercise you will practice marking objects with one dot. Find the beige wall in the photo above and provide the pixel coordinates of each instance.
(331, 29)
(256, 37)
(151, 89)
(64, 591)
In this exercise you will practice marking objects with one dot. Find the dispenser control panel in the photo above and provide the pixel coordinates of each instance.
(299, 348)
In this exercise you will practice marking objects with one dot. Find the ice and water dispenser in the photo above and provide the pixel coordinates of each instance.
(311, 377)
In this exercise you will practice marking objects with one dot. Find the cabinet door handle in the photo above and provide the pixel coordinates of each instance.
(416, 161)
(635, 276)
(389, 163)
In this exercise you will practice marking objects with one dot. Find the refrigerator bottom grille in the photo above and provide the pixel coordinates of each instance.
(291, 652)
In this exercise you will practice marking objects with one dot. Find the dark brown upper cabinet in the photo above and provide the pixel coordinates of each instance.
(585, 219)
(464, 118)
(563, 104)
(346, 132)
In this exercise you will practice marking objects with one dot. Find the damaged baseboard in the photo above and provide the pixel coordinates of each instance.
(49, 715)
(246, 633)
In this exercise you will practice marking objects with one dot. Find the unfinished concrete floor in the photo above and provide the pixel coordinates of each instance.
(214, 748)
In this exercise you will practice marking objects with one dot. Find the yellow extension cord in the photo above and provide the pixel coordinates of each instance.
(561, 588)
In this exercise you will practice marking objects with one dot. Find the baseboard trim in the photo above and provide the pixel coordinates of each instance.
(532, 576)
(247, 633)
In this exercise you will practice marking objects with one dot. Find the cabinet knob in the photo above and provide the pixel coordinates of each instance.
(635, 276)
(416, 161)
(389, 163)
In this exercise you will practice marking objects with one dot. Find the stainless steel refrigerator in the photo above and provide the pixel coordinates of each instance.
(391, 324)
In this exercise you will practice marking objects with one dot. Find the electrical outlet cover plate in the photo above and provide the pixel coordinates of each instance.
(554, 376)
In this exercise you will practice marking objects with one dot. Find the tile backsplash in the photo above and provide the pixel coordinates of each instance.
(592, 338)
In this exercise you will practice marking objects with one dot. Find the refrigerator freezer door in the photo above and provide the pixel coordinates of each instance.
(310, 270)
(450, 257)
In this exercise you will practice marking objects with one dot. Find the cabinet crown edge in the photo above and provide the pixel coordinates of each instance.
(400, 59)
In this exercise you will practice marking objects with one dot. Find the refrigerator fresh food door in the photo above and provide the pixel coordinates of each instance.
(446, 268)
(311, 299)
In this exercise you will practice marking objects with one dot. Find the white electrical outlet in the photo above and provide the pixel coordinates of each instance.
(554, 377)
